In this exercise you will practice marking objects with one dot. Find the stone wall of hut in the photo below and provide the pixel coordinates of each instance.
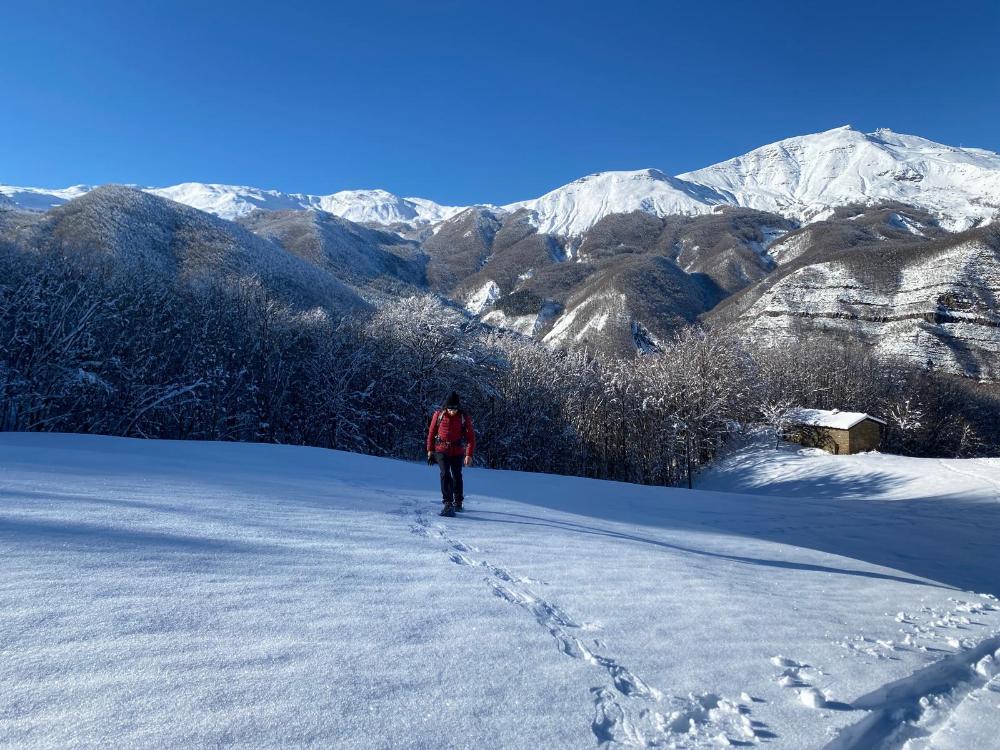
(865, 436)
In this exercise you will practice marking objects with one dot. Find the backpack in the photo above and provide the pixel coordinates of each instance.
(436, 422)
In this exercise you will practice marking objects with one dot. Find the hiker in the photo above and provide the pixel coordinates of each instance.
(449, 439)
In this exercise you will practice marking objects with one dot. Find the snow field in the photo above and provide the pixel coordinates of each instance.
(197, 594)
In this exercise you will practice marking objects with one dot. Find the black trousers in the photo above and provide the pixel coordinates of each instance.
(451, 477)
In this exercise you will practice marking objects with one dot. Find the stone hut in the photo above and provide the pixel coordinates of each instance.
(835, 431)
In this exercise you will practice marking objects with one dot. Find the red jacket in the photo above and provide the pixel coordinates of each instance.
(453, 436)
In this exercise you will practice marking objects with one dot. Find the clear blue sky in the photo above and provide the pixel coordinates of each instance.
(469, 102)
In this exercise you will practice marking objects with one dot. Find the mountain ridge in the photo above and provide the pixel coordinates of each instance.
(803, 177)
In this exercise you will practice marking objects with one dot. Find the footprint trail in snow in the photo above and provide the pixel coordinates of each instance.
(629, 712)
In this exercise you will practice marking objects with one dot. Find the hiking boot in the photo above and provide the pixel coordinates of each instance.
(448, 510)
(458, 506)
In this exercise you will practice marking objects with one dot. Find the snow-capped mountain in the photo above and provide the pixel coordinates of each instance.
(574, 208)
(802, 178)
(42, 199)
(360, 206)
(807, 176)
(381, 207)
(233, 201)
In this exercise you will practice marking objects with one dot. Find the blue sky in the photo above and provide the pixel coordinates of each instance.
(469, 102)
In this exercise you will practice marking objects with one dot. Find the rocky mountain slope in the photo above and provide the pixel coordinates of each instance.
(629, 281)
(880, 236)
(929, 298)
(891, 276)
(367, 259)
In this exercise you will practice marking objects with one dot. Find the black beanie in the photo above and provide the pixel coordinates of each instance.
(452, 400)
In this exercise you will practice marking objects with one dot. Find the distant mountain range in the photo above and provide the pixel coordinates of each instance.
(890, 239)
(802, 178)
(233, 201)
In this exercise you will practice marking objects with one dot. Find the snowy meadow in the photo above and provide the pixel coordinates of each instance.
(192, 594)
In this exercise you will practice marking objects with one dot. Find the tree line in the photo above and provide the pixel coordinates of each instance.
(92, 347)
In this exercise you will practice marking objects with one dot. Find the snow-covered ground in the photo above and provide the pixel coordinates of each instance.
(161, 594)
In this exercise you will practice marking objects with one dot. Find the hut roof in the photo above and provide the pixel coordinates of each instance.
(835, 419)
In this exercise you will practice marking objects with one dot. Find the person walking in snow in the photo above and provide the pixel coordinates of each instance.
(450, 443)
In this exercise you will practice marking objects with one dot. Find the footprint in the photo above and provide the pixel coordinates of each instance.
(423, 527)
(573, 648)
(796, 675)
(503, 575)
(550, 612)
(459, 559)
(507, 594)
(989, 665)
(628, 684)
(784, 661)
(611, 726)
(790, 679)
(698, 713)
(813, 697)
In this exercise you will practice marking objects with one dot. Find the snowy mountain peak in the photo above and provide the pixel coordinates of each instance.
(806, 177)
(803, 177)
(362, 206)
(228, 201)
(572, 209)
(637, 174)
(383, 207)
